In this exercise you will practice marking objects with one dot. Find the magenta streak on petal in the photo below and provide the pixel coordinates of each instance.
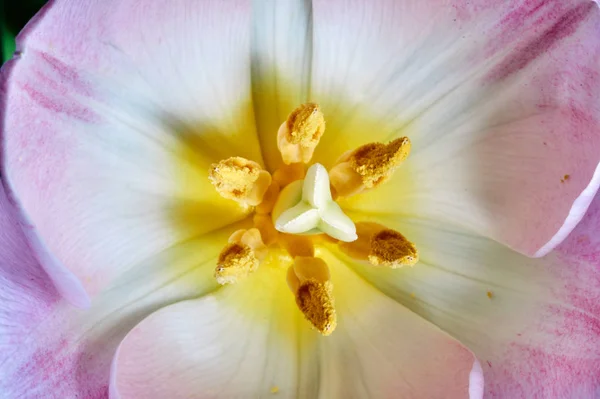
(564, 27)
(65, 281)
(59, 371)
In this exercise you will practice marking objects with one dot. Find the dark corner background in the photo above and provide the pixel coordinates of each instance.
(14, 14)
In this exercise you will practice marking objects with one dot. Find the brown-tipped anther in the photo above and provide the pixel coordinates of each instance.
(269, 199)
(392, 249)
(315, 301)
(381, 246)
(289, 173)
(298, 137)
(240, 179)
(264, 224)
(240, 257)
(368, 166)
(297, 245)
(309, 281)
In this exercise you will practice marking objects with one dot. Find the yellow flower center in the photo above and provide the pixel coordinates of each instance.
(295, 208)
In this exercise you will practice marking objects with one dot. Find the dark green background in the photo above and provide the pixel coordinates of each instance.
(15, 14)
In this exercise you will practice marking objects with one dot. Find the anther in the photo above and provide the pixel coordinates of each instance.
(240, 257)
(298, 137)
(309, 281)
(368, 166)
(240, 179)
(381, 246)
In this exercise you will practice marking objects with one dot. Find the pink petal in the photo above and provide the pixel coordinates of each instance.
(246, 340)
(111, 110)
(26, 292)
(539, 333)
(52, 350)
(500, 100)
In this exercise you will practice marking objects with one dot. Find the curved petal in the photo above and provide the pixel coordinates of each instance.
(250, 341)
(26, 292)
(240, 342)
(381, 349)
(534, 324)
(68, 353)
(500, 101)
(112, 115)
(281, 62)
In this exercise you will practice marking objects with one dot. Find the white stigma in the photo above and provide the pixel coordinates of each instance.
(306, 207)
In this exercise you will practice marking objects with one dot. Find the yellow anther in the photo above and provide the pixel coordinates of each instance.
(298, 137)
(240, 257)
(240, 179)
(310, 282)
(268, 201)
(368, 166)
(264, 224)
(289, 173)
(381, 246)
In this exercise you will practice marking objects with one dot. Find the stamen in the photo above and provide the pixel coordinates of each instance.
(381, 246)
(297, 245)
(268, 201)
(240, 179)
(298, 137)
(368, 166)
(240, 257)
(310, 282)
(264, 224)
(289, 173)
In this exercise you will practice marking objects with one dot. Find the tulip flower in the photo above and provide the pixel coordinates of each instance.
(328, 198)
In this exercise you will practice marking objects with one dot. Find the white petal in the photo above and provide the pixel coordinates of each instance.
(68, 352)
(240, 342)
(112, 118)
(281, 66)
(532, 323)
(381, 349)
(500, 101)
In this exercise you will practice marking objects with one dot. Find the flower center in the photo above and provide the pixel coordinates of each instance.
(294, 207)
